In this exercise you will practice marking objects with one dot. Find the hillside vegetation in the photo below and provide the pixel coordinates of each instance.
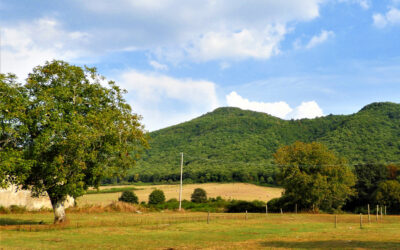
(230, 144)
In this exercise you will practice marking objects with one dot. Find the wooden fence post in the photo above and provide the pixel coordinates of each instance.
(208, 217)
(266, 209)
(296, 208)
(381, 212)
(281, 211)
(377, 212)
(360, 220)
(369, 216)
(335, 221)
(246, 215)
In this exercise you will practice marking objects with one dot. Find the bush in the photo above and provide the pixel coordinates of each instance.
(242, 206)
(129, 196)
(156, 197)
(199, 195)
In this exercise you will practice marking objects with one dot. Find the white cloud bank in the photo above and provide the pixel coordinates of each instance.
(164, 100)
(278, 109)
(203, 30)
(26, 45)
(392, 17)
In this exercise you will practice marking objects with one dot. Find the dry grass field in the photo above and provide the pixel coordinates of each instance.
(238, 191)
(173, 230)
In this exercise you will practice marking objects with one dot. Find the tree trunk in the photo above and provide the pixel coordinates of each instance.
(59, 210)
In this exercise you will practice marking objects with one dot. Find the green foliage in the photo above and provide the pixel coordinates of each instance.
(230, 144)
(313, 177)
(13, 131)
(129, 196)
(71, 130)
(368, 178)
(111, 190)
(243, 206)
(199, 195)
(156, 197)
(388, 193)
(285, 203)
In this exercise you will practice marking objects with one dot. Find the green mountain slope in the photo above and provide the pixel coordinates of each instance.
(234, 144)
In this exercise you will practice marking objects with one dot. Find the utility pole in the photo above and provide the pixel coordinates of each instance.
(180, 190)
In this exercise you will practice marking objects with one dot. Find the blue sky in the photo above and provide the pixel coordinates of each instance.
(179, 59)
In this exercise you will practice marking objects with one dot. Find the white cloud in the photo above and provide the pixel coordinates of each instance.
(306, 110)
(26, 45)
(237, 45)
(392, 17)
(158, 66)
(365, 4)
(163, 100)
(202, 30)
(278, 109)
(318, 39)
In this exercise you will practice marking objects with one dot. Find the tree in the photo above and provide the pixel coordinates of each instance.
(388, 193)
(129, 196)
(313, 176)
(199, 195)
(71, 129)
(368, 178)
(13, 100)
(156, 197)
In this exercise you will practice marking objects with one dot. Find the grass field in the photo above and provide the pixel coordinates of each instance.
(173, 230)
(238, 191)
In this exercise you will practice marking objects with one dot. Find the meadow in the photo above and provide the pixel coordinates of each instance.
(238, 191)
(175, 230)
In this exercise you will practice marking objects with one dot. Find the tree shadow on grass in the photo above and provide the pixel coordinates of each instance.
(331, 244)
(11, 222)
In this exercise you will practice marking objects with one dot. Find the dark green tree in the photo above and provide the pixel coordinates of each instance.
(388, 193)
(72, 130)
(156, 197)
(313, 176)
(129, 196)
(199, 195)
(368, 178)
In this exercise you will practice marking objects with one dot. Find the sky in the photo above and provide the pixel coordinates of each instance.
(179, 59)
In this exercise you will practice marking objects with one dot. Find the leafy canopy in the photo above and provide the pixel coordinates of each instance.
(71, 129)
(156, 197)
(199, 195)
(313, 176)
(13, 131)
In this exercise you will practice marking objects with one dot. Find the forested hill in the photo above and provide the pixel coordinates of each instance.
(231, 141)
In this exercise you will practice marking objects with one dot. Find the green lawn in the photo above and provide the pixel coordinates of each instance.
(190, 230)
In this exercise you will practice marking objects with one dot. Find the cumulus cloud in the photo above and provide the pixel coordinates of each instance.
(158, 66)
(278, 109)
(26, 45)
(163, 100)
(392, 17)
(201, 30)
(306, 110)
(258, 44)
(318, 39)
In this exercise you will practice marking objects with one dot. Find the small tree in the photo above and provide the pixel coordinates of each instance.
(156, 197)
(129, 196)
(313, 176)
(199, 195)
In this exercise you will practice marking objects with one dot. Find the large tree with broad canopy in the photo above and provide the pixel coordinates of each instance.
(64, 130)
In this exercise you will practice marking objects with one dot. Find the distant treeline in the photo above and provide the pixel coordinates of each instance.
(200, 174)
